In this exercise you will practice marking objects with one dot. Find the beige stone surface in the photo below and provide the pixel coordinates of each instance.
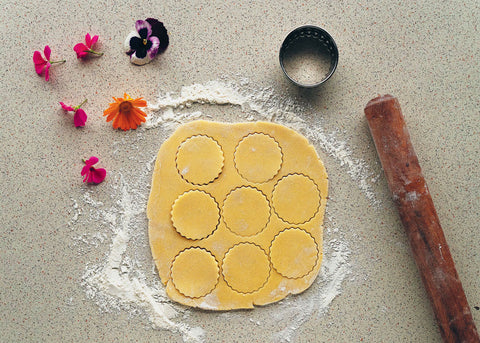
(55, 229)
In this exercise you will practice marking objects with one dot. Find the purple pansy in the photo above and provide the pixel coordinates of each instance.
(149, 38)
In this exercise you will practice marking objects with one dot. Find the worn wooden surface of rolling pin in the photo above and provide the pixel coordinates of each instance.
(420, 219)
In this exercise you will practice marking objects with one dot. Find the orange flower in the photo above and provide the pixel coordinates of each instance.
(124, 112)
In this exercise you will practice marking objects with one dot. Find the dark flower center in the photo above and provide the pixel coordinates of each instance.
(140, 46)
(143, 33)
(125, 107)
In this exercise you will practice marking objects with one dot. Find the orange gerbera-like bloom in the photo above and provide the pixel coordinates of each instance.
(125, 113)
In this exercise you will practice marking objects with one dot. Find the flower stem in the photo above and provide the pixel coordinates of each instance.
(94, 52)
(62, 61)
(84, 101)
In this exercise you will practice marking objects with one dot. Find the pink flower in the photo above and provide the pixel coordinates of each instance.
(42, 64)
(92, 174)
(83, 50)
(79, 116)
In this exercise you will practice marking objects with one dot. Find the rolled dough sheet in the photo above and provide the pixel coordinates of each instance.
(235, 214)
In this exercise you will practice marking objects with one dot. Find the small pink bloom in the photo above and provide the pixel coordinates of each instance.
(44, 64)
(83, 50)
(92, 174)
(79, 116)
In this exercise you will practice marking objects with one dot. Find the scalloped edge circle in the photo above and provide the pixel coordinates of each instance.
(258, 157)
(198, 279)
(199, 155)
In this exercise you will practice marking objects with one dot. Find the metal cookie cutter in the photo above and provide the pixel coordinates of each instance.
(308, 56)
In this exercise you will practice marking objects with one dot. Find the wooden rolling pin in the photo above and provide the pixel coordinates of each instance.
(420, 220)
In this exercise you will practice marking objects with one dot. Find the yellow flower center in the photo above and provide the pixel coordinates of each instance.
(125, 107)
(144, 42)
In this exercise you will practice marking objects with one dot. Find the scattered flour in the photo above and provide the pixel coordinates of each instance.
(125, 281)
(335, 268)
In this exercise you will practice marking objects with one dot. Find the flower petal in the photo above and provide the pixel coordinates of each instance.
(39, 68)
(119, 121)
(94, 40)
(37, 58)
(91, 161)
(126, 44)
(139, 114)
(111, 111)
(159, 30)
(85, 170)
(138, 117)
(153, 50)
(139, 102)
(66, 108)
(89, 177)
(88, 40)
(136, 43)
(139, 61)
(157, 26)
(79, 118)
(39, 62)
(81, 50)
(97, 175)
(143, 28)
(46, 52)
(47, 73)
(129, 122)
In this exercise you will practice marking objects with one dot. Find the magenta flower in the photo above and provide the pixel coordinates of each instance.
(83, 50)
(92, 174)
(79, 116)
(42, 64)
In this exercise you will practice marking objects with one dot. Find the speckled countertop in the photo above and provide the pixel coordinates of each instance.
(425, 53)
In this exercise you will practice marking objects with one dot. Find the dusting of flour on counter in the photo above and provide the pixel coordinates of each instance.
(119, 283)
(126, 279)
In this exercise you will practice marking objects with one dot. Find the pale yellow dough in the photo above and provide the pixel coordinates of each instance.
(235, 214)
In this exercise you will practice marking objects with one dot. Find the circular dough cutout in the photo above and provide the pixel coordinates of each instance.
(294, 253)
(296, 199)
(246, 268)
(195, 214)
(199, 160)
(195, 272)
(258, 157)
(246, 211)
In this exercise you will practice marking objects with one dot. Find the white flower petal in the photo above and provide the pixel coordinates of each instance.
(140, 61)
(126, 45)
